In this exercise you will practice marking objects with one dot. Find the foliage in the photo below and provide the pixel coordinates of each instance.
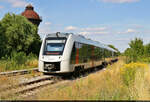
(18, 61)
(113, 47)
(147, 50)
(2, 41)
(136, 51)
(144, 59)
(128, 71)
(18, 34)
(20, 57)
(109, 84)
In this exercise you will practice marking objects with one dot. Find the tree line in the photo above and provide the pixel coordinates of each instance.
(17, 34)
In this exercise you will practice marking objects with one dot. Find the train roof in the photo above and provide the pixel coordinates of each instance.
(58, 34)
(81, 39)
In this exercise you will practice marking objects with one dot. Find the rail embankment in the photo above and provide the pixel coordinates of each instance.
(119, 81)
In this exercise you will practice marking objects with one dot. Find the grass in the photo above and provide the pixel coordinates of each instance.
(18, 61)
(119, 81)
(4, 83)
(6, 65)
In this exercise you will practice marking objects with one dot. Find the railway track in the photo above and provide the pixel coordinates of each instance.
(18, 72)
(27, 86)
(35, 83)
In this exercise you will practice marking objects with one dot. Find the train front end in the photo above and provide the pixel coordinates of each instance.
(51, 57)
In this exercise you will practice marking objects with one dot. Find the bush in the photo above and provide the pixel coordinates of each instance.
(129, 71)
(137, 51)
(144, 59)
(19, 58)
(18, 61)
(32, 56)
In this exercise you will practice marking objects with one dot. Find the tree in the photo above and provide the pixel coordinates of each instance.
(147, 50)
(113, 47)
(136, 50)
(2, 42)
(35, 45)
(19, 34)
(137, 46)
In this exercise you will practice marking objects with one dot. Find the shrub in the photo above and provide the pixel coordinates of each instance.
(19, 58)
(18, 61)
(144, 59)
(128, 72)
(137, 51)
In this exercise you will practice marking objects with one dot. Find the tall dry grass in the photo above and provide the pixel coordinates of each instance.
(18, 61)
(109, 84)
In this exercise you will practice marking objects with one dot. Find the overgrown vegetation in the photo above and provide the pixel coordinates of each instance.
(18, 34)
(114, 83)
(113, 47)
(128, 79)
(18, 61)
(137, 51)
(18, 42)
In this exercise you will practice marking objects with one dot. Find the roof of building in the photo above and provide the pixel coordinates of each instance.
(30, 13)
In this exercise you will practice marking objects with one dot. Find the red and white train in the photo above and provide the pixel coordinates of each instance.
(64, 52)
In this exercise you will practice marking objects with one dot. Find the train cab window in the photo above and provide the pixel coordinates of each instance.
(54, 46)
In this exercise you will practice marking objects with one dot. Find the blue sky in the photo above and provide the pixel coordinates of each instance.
(108, 21)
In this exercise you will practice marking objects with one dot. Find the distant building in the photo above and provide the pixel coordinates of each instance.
(31, 15)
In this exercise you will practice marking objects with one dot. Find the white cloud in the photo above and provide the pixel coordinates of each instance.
(16, 3)
(91, 33)
(91, 30)
(94, 29)
(120, 32)
(120, 1)
(129, 31)
(84, 33)
(87, 30)
(100, 32)
(48, 23)
(70, 28)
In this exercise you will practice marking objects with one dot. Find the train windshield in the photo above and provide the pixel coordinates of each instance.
(54, 46)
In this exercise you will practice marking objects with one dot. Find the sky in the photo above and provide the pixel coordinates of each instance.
(115, 22)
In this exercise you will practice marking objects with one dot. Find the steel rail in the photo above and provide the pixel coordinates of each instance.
(16, 72)
(32, 84)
